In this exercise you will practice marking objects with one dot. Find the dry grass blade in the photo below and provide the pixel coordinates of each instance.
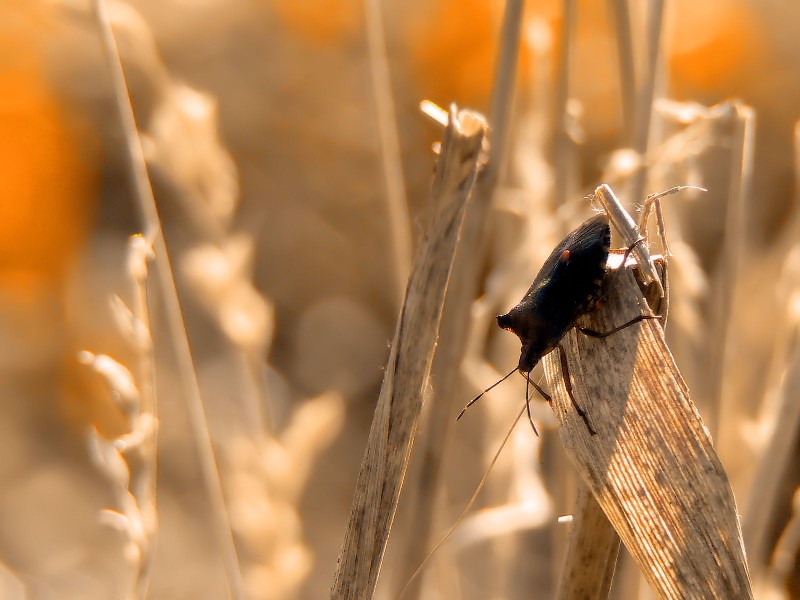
(741, 120)
(766, 492)
(562, 143)
(784, 558)
(620, 13)
(592, 552)
(647, 91)
(394, 424)
(651, 466)
(397, 204)
(152, 224)
(455, 325)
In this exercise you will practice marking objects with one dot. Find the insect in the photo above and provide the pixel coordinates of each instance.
(568, 286)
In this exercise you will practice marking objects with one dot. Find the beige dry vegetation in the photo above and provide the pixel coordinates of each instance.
(208, 362)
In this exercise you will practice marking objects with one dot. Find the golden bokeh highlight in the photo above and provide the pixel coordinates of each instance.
(324, 21)
(48, 178)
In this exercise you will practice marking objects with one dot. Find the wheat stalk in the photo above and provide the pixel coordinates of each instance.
(147, 205)
(460, 292)
(129, 459)
(394, 424)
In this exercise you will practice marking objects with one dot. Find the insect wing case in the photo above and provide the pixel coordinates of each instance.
(567, 286)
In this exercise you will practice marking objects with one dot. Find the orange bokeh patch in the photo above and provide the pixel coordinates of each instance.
(48, 182)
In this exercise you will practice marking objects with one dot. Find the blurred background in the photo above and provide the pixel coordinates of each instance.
(291, 167)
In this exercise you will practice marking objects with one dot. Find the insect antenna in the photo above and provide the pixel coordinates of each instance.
(469, 504)
(476, 398)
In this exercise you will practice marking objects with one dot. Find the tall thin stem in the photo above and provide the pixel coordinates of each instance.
(561, 141)
(146, 203)
(397, 204)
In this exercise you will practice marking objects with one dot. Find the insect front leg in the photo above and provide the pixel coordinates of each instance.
(528, 402)
(530, 382)
(630, 248)
(568, 385)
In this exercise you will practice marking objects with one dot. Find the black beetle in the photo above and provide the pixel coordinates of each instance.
(568, 286)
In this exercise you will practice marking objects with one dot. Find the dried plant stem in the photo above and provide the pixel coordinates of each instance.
(562, 143)
(394, 424)
(784, 559)
(644, 106)
(143, 474)
(593, 547)
(767, 490)
(631, 236)
(742, 144)
(651, 465)
(503, 87)
(400, 227)
(129, 459)
(625, 61)
(591, 553)
(147, 206)
(460, 294)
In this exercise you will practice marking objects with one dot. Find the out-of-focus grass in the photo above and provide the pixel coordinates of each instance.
(278, 226)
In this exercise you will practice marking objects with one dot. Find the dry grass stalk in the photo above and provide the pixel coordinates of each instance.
(651, 466)
(394, 424)
(623, 223)
(644, 105)
(397, 203)
(778, 457)
(147, 205)
(742, 122)
(767, 493)
(562, 143)
(591, 553)
(265, 480)
(784, 558)
(625, 60)
(593, 546)
(461, 290)
(129, 460)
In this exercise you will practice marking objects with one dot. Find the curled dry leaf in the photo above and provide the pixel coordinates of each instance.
(651, 466)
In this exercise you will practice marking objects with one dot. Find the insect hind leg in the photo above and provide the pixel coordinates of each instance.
(604, 334)
(568, 385)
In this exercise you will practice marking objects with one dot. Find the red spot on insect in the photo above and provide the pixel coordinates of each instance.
(564, 256)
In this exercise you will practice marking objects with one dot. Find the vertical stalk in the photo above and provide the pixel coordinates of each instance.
(399, 225)
(146, 203)
(561, 140)
(461, 292)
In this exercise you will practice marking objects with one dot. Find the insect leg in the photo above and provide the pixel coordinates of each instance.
(528, 402)
(568, 385)
(604, 334)
(630, 248)
(542, 393)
